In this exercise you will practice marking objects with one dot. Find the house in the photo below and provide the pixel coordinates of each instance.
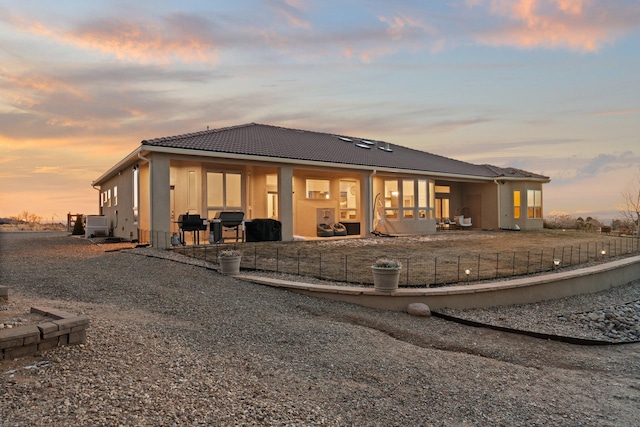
(305, 179)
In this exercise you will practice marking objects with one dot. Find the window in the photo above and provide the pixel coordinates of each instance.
(348, 200)
(423, 206)
(224, 192)
(400, 195)
(408, 198)
(317, 188)
(391, 194)
(534, 203)
(442, 202)
(115, 196)
(192, 191)
(516, 204)
(109, 197)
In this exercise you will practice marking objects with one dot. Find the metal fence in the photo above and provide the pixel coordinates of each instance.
(417, 270)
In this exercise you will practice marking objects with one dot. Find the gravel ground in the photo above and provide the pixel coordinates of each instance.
(177, 344)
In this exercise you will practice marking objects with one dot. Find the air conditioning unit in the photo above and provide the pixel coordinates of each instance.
(96, 226)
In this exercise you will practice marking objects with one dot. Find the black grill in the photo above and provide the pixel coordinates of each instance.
(193, 223)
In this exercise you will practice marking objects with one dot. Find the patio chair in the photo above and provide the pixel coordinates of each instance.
(463, 222)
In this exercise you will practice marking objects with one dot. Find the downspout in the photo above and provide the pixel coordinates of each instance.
(495, 181)
(99, 200)
(370, 197)
(141, 157)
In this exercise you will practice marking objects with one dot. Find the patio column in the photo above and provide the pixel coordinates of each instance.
(285, 201)
(366, 201)
(159, 201)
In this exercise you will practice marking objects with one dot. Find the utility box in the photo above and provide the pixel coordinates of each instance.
(96, 226)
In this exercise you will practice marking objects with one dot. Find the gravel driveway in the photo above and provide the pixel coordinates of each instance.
(177, 344)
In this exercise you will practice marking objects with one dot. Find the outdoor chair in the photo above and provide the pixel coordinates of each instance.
(463, 222)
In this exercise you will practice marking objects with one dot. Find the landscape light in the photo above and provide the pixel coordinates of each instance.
(467, 271)
(556, 263)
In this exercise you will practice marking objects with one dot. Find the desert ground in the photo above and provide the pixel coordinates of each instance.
(176, 344)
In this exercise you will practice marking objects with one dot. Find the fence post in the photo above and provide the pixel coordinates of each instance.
(478, 266)
(435, 270)
(571, 256)
(458, 268)
(298, 262)
(541, 255)
(497, 263)
(513, 272)
(528, 258)
(277, 260)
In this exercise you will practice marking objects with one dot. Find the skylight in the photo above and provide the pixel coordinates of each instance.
(368, 147)
(368, 142)
(345, 139)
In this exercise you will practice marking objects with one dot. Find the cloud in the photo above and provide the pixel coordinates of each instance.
(177, 36)
(583, 25)
(617, 112)
(292, 11)
(605, 163)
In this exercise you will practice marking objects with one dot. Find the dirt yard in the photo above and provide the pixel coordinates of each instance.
(433, 260)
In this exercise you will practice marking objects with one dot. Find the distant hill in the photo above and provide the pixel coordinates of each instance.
(11, 221)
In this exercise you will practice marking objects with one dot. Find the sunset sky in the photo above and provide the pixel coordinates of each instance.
(549, 86)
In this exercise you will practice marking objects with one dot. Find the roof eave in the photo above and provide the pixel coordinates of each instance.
(122, 164)
(235, 156)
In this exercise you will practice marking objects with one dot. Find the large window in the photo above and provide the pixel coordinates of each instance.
(317, 188)
(348, 200)
(391, 195)
(516, 204)
(534, 203)
(224, 192)
(423, 204)
(442, 201)
(400, 199)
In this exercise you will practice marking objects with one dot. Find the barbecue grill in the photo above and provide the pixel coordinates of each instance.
(193, 223)
(227, 220)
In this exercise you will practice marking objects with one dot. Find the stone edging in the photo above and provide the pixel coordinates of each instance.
(64, 329)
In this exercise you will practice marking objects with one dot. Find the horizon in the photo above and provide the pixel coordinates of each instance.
(548, 86)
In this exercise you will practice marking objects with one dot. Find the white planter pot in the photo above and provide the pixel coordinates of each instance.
(229, 265)
(385, 279)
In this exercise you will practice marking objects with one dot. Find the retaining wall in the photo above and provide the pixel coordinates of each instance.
(508, 292)
(63, 329)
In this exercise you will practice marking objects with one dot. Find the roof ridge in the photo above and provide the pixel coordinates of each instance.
(201, 132)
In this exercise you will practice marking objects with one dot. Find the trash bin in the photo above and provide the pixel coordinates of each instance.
(215, 231)
(263, 230)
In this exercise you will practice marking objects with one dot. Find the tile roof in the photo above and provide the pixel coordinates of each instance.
(277, 142)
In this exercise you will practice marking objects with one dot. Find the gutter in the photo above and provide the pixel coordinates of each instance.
(370, 200)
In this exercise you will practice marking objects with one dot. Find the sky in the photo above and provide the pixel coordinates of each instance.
(548, 86)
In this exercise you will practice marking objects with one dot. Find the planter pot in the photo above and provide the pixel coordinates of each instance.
(385, 279)
(230, 265)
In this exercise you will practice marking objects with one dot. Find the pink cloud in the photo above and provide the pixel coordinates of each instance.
(177, 37)
(584, 25)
